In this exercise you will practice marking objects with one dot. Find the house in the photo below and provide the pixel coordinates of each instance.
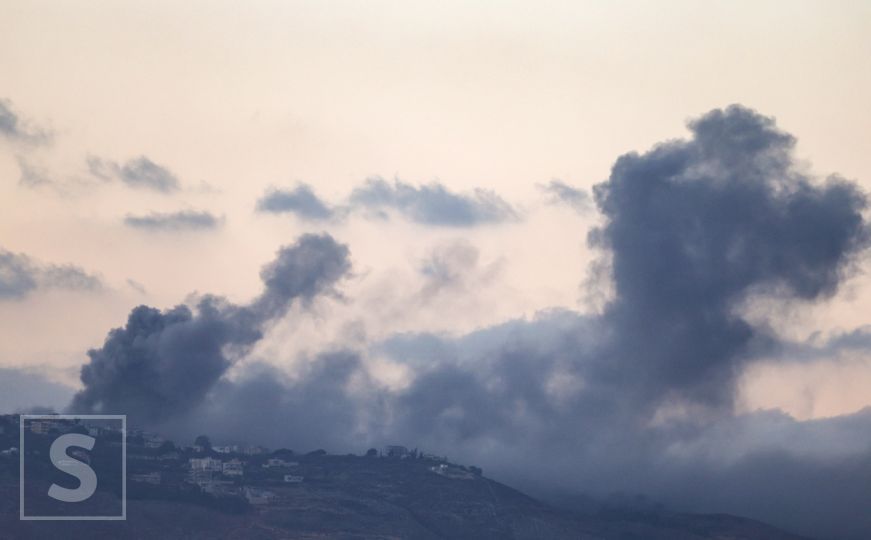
(255, 450)
(205, 464)
(147, 478)
(219, 487)
(293, 478)
(152, 440)
(234, 467)
(396, 451)
(452, 471)
(43, 427)
(200, 477)
(169, 456)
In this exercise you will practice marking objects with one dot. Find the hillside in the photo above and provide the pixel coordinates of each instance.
(376, 498)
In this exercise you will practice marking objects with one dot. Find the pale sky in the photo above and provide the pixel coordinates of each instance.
(237, 98)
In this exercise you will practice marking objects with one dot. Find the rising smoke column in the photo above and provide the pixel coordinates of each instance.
(163, 363)
(694, 227)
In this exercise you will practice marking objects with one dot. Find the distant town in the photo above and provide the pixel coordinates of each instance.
(230, 477)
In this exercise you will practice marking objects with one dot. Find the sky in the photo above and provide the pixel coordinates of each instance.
(158, 154)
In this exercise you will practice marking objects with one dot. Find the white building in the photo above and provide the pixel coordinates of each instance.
(205, 464)
(234, 467)
(152, 440)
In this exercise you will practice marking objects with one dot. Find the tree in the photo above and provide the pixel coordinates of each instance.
(203, 442)
(167, 446)
(371, 452)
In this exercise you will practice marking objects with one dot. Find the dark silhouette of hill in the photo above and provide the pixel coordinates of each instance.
(355, 497)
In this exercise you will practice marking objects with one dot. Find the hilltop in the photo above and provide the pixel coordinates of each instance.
(235, 493)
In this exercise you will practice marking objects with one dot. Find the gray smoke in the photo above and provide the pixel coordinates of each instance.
(163, 363)
(693, 228)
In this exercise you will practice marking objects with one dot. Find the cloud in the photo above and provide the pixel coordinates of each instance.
(561, 193)
(301, 201)
(430, 204)
(136, 286)
(162, 363)
(20, 276)
(31, 175)
(433, 204)
(137, 173)
(14, 128)
(185, 220)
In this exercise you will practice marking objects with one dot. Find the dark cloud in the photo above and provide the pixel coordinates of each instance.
(433, 204)
(695, 227)
(185, 220)
(301, 201)
(139, 172)
(14, 128)
(17, 275)
(20, 275)
(316, 406)
(162, 363)
(561, 193)
(430, 204)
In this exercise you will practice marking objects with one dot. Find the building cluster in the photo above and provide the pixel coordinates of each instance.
(223, 476)
(251, 473)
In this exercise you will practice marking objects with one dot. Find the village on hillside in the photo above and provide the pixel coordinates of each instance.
(230, 477)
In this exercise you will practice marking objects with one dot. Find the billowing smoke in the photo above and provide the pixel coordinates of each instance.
(636, 399)
(693, 228)
(163, 363)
